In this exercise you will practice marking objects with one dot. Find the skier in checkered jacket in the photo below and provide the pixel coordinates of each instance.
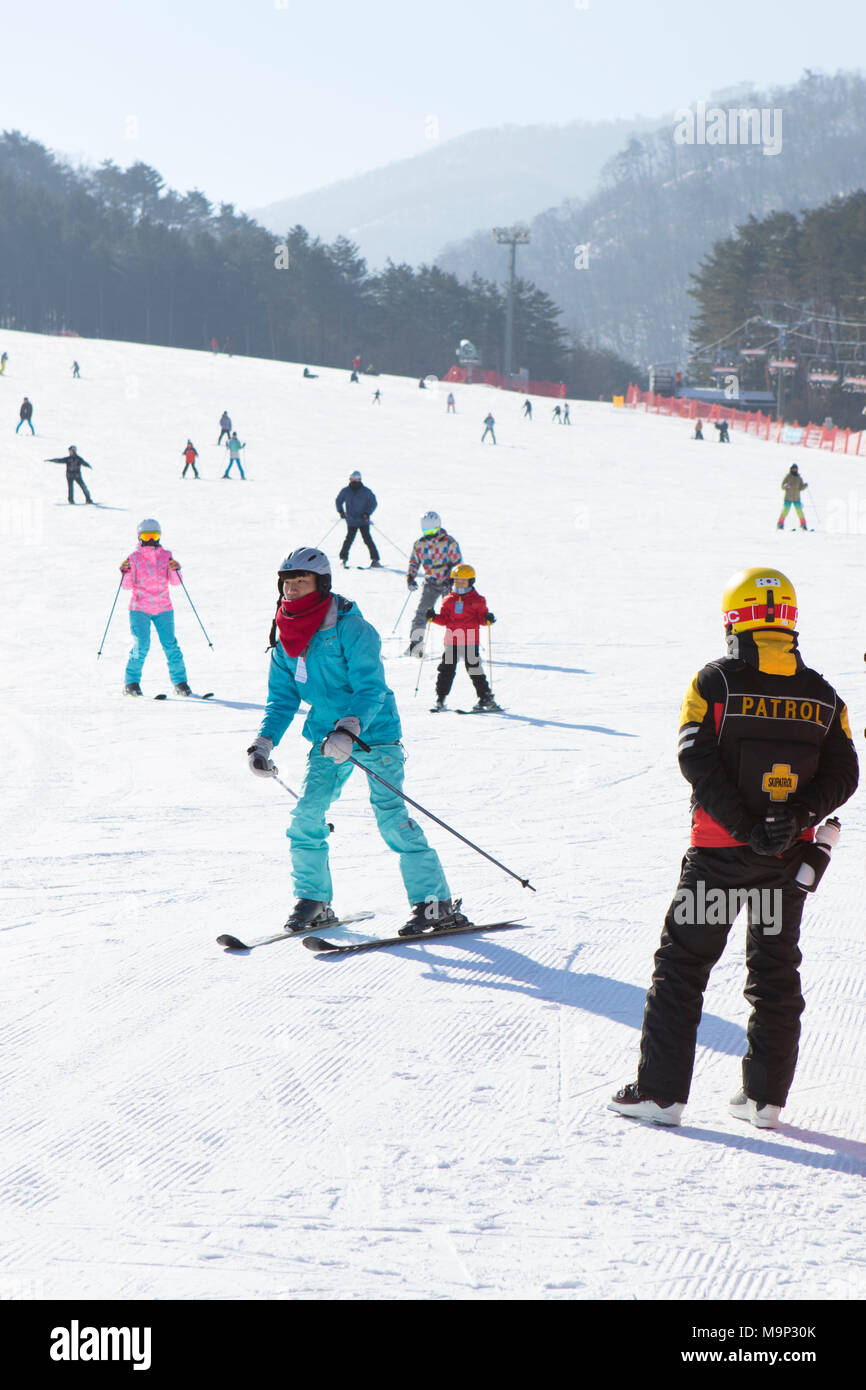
(436, 553)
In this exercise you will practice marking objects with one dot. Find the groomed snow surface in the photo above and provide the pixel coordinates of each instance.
(427, 1122)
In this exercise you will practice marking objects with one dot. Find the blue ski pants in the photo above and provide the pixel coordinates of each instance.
(420, 867)
(140, 624)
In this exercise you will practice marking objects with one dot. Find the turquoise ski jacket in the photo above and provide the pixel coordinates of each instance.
(339, 674)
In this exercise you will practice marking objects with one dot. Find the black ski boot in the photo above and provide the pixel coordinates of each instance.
(428, 918)
(307, 912)
(488, 704)
(375, 564)
(133, 688)
(438, 707)
(182, 688)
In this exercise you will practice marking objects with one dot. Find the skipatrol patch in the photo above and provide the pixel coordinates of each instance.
(780, 782)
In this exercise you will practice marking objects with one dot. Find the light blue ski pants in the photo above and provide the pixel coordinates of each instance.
(420, 867)
(140, 626)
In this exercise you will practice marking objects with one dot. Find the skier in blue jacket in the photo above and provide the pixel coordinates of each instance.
(356, 504)
(326, 654)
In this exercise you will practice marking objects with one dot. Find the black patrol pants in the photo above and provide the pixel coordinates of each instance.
(714, 885)
(351, 533)
(452, 654)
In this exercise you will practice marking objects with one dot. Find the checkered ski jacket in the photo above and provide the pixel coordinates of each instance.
(436, 555)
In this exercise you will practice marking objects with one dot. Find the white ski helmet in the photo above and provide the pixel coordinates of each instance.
(149, 524)
(431, 521)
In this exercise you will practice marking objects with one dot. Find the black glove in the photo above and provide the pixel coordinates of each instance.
(365, 521)
(489, 619)
(412, 583)
(431, 613)
(778, 830)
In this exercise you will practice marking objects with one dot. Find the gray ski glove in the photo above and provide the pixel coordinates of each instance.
(340, 744)
(258, 754)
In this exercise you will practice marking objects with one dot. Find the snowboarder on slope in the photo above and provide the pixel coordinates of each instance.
(74, 464)
(148, 572)
(356, 504)
(436, 553)
(463, 613)
(792, 486)
(766, 745)
(326, 654)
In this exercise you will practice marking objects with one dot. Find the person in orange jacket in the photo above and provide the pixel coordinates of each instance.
(462, 614)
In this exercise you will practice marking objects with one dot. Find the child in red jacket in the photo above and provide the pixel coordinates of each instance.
(463, 613)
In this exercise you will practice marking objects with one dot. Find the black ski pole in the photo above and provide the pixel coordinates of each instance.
(287, 788)
(110, 616)
(200, 623)
(370, 773)
(328, 532)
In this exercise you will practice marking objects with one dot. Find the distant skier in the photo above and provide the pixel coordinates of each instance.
(451, 408)
(328, 656)
(527, 409)
(766, 744)
(722, 427)
(190, 453)
(76, 372)
(489, 422)
(148, 572)
(26, 415)
(354, 377)
(225, 426)
(356, 504)
(377, 398)
(310, 376)
(234, 447)
(792, 486)
(557, 414)
(422, 384)
(74, 464)
(3, 360)
(699, 429)
(463, 613)
(566, 417)
(356, 364)
(436, 553)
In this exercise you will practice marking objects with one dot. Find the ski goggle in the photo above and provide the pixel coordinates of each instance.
(431, 530)
(148, 535)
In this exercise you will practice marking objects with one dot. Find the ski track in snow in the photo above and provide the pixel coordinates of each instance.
(427, 1122)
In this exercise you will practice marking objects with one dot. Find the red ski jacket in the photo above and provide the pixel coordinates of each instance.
(461, 615)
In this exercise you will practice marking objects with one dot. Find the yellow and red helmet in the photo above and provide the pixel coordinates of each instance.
(759, 599)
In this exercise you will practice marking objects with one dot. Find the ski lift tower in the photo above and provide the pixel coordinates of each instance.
(513, 237)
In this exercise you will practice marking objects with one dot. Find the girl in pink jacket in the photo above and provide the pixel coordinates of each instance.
(148, 572)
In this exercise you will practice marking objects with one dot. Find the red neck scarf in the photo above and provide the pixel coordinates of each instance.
(299, 620)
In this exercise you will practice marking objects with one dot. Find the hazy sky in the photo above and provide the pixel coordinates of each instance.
(254, 100)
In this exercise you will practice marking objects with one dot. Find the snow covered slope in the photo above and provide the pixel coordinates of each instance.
(428, 1122)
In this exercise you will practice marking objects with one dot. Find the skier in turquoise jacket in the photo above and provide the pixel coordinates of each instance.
(326, 654)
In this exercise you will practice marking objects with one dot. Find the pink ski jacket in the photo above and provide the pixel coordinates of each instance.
(148, 577)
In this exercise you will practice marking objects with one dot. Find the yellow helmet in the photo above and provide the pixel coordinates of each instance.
(464, 572)
(758, 599)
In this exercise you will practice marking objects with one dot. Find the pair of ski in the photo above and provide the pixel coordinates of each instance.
(338, 948)
(193, 696)
(497, 710)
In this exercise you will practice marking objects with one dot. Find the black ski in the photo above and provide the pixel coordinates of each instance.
(208, 696)
(497, 710)
(336, 948)
(233, 943)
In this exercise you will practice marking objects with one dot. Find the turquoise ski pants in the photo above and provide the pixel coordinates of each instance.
(164, 623)
(420, 867)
